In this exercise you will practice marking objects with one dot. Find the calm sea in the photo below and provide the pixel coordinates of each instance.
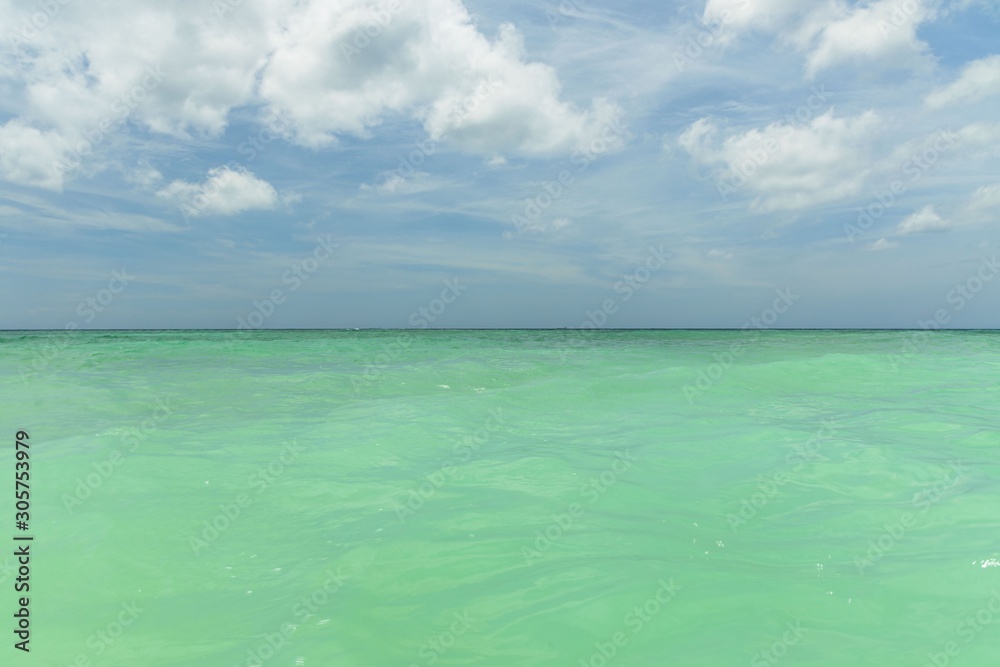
(506, 498)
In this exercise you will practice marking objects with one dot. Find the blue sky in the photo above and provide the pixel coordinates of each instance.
(630, 164)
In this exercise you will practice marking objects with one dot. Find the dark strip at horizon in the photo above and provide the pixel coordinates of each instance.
(595, 330)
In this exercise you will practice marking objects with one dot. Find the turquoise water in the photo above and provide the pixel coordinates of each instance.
(378, 498)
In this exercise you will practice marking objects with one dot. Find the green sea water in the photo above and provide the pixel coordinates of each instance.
(505, 498)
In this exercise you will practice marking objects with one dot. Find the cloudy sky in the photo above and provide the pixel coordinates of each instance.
(375, 163)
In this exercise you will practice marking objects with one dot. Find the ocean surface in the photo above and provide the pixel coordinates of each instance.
(505, 498)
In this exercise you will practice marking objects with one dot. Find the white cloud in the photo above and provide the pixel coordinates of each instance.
(830, 32)
(718, 255)
(883, 244)
(289, 198)
(175, 69)
(428, 61)
(790, 167)
(986, 197)
(394, 183)
(29, 156)
(978, 137)
(979, 79)
(144, 176)
(923, 221)
(695, 138)
(225, 192)
(981, 208)
(540, 226)
(732, 16)
(884, 31)
(181, 68)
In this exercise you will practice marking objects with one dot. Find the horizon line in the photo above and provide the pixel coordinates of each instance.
(595, 329)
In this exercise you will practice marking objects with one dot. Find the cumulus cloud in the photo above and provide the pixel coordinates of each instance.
(923, 221)
(29, 156)
(789, 167)
(330, 68)
(979, 79)
(94, 69)
(341, 67)
(176, 68)
(225, 191)
(829, 32)
(735, 16)
(884, 31)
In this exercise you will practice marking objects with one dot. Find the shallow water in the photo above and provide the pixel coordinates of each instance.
(508, 497)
